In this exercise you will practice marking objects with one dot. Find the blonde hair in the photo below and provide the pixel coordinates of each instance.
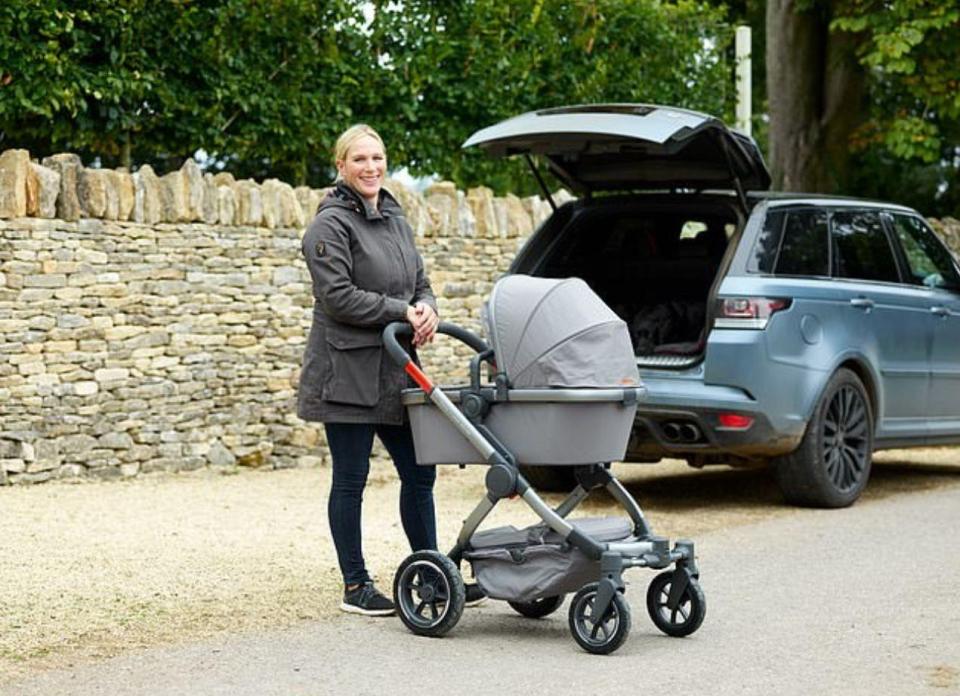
(349, 137)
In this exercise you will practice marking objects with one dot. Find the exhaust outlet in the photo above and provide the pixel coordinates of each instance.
(689, 432)
(671, 431)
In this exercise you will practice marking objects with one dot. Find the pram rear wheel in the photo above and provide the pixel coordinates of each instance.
(686, 616)
(429, 594)
(600, 635)
(538, 608)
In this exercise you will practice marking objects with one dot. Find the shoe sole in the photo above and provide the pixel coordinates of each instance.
(353, 609)
(476, 602)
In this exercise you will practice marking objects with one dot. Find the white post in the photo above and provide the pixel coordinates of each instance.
(743, 79)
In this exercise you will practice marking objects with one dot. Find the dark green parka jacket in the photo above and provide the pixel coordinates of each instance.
(366, 271)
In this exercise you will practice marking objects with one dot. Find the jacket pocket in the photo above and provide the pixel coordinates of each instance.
(355, 356)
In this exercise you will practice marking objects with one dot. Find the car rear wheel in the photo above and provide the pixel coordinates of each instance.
(831, 466)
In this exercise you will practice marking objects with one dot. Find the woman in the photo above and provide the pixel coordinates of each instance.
(366, 273)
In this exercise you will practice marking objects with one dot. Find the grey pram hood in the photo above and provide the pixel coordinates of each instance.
(549, 332)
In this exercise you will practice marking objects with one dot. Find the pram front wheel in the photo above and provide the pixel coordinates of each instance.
(686, 614)
(600, 635)
(538, 608)
(429, 593)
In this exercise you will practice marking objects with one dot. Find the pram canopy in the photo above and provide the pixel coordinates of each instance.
(550, 332)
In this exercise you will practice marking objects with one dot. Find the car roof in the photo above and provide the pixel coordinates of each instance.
(783, 198)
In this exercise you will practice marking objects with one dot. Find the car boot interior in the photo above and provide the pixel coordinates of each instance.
(654, 265)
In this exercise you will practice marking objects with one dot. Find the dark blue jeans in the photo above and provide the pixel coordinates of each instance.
(350, 446)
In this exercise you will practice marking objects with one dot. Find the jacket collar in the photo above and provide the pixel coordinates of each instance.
(345, 197)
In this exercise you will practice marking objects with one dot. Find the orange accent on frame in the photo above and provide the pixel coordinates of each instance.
(417, 374)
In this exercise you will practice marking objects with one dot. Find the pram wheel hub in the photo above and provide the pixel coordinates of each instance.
(599, 634)
(676, 602)
(429, 593)
(538, 608)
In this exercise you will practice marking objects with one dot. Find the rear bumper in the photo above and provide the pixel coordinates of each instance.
(693, 407)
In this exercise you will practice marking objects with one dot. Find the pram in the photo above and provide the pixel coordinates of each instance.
(564, 392)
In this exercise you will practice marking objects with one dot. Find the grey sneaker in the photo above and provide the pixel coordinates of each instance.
(367, 600)
(475, 595)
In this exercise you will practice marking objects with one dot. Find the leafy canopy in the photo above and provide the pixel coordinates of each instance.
(265, 86)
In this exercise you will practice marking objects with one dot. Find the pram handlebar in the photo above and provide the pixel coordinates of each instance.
(399, 328)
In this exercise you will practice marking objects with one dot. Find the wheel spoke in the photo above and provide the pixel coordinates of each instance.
(419, 610)
(833, 466)
(597, 628)
(433, 610)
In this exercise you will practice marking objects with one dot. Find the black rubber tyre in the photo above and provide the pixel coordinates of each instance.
(538, 608)
(688, 615)
(600, 636)
(831, 466)
(552, 479)
(429, 594)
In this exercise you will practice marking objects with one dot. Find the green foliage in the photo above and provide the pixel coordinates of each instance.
(466, 65)
(912, 48)
(265, 86)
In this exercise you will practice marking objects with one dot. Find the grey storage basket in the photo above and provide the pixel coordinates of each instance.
(523, 565)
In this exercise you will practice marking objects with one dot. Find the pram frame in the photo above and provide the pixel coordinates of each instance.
(504, 480)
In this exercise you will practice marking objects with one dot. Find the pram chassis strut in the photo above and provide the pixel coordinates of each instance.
(504, 480)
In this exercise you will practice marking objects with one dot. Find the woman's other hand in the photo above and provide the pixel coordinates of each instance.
(424, 322)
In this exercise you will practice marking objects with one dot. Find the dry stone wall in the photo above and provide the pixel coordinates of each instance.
(157, 322)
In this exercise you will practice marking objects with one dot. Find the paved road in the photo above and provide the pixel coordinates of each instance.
(859, 601)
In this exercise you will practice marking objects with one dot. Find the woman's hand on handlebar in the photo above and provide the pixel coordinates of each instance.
(424, 322)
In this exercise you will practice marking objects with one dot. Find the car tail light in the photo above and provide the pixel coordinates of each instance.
(747, 312)
(735, 421)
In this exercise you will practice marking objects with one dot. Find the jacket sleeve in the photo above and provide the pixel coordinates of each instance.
(326, 248)
(423, 291)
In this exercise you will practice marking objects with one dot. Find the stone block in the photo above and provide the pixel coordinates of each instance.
(126, 194)
(219, 455)
(68, 166)
(211, 200)
(480, 202)
(226, 205)
(48, 188)
(249, 203)
(74, 445)
(14, 173)
(112, 209)
(111, 374)
(13, 466)
(92, 189)
(115, 441)
(174, 204)
(147, 206)
(309, 199)
(193, 189)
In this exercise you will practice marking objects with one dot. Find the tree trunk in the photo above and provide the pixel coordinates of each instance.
(815, 88)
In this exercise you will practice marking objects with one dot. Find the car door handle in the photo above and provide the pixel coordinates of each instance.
(940, 311)
(862, 303)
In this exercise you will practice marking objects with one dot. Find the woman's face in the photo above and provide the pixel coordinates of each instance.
(364, 167)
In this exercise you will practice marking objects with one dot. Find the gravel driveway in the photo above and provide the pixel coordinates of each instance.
(95, 570)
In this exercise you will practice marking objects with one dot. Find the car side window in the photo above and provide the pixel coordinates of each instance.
(792, 242)
(861, 249)
(929, 261)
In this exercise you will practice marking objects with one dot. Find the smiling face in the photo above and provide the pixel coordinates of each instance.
(364, 167)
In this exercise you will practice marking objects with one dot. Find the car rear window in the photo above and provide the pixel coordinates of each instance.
(792, 242)
(861, 249)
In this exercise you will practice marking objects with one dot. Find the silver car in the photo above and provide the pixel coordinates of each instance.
(796, 330)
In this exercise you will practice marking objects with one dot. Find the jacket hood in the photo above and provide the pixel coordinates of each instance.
(342, 196)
